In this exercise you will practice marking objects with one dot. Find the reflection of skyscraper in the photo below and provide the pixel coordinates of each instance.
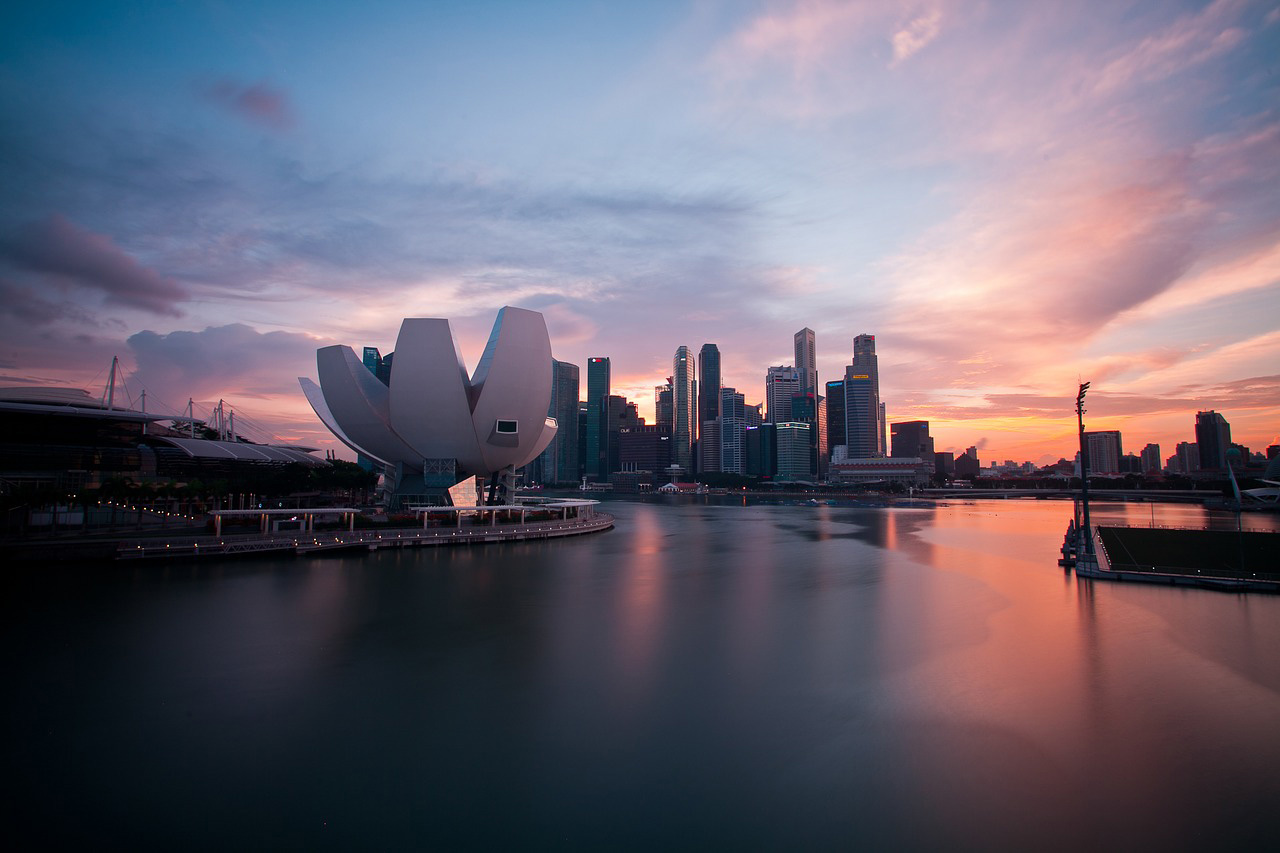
(1213, 439)
(709, 408)
(807, 360)
(684, 405)
(598, 379)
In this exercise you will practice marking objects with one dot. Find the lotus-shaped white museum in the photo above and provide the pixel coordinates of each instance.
(432, 424)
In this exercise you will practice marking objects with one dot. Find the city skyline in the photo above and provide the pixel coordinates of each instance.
(1012, 200)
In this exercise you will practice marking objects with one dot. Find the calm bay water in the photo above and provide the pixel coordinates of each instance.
(701, 676)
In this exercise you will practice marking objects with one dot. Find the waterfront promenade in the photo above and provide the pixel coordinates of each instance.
(311, 542)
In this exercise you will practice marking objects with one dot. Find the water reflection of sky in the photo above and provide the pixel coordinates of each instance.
(724, 674)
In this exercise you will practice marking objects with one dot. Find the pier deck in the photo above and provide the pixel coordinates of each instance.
(311, 542)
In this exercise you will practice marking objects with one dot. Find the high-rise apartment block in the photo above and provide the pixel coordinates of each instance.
(1186, 457)
(1149, 459)
(1105, 451)
(1213, 438)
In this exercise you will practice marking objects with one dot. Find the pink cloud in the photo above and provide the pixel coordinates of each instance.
(59, 247)
(255, 103)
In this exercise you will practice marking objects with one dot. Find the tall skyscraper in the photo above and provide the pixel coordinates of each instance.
(560, 459)
(864, 430)
(622, 417)
(378, 364)
(708, 383)
(709, 408)
(381, 368)
(861, 415)
(1213, 438)
(780, 385)
(807, 360)
(835, 416)
(598, 386)
(733, 431)
(664, 410)
(684, 407)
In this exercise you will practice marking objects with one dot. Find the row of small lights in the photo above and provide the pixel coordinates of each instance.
(149, 509)
(338, 541)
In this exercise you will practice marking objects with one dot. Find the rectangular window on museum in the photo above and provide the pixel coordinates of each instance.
(507, 427)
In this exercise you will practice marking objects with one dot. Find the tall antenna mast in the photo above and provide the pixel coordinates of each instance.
(111, 383)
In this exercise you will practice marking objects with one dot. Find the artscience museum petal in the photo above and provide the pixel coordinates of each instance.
(431, 423)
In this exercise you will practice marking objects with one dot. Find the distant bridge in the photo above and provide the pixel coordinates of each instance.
(1095, 494)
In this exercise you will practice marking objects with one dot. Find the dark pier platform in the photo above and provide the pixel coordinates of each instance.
(1216, 559)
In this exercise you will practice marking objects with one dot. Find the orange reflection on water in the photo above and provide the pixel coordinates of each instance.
(641, 577)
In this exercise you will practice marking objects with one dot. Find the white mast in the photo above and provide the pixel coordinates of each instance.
(111, 383)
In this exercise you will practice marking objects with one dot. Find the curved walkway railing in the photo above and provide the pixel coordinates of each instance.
(328, 540)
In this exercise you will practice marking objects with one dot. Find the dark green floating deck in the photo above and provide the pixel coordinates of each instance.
(1250, 555)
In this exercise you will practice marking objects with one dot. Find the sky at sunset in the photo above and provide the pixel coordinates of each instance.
(1012, 197)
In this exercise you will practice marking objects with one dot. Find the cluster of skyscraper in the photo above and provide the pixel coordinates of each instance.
(703, 427)
(1212, 451)
(796, 434)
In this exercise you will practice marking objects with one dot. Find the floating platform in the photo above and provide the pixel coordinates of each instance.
(1212, 559)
